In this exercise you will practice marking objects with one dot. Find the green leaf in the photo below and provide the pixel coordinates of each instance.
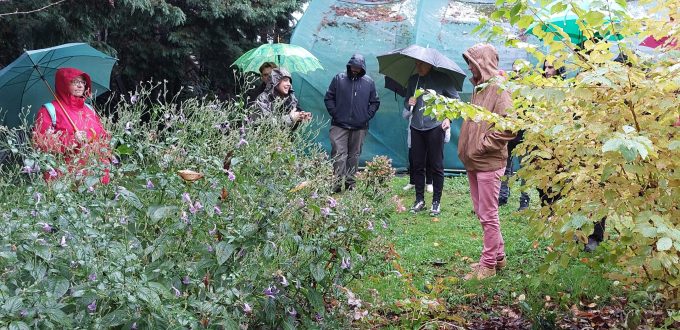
(13, 304)
(223, 251)
(114, 318)
(58, 287)
(316, 300)
(318, 271)
(130, 197)
(159, 212)
(18, 325)
(57, 315)
(675, 144)
(149, 296)
(664, 244)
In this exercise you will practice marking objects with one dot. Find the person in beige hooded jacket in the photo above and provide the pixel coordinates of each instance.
(484, 153)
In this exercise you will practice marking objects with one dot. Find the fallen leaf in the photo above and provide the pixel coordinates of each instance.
(300, 186)
(522, 297)
(535, 245)
(435, 244)
(435, 219)
(189, 175)
(549, 248)
(224, 194)
(547, 298)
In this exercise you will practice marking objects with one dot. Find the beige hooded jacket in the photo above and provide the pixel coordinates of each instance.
(480, 148)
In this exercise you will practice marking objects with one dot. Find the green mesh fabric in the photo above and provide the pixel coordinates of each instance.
(333, 30)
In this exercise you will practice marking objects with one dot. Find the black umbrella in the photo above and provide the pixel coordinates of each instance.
(400, 64)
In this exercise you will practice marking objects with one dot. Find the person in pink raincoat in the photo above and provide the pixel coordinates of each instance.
(54, 130)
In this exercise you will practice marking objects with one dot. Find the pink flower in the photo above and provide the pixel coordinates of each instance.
(325, 211)
(92, 277)
(217, 209)
(332, 203)
(241, 143)
(149, 184)
(247, 309)
(177, 292)
(231, 175)
(47, 228)
(52, 173)
(186, 198)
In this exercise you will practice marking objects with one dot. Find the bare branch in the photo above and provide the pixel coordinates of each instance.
(17, 12)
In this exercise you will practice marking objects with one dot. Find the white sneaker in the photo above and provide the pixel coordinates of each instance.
(408, 187)
(430, 188)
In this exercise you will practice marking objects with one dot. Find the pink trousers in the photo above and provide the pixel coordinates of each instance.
(484, 189)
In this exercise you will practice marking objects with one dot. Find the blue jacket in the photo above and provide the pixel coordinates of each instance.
(352, 101)
(435, 80)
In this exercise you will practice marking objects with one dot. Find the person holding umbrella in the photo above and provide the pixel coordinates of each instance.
(351, 101)
(69, 126)
(484, 153)
(428, 134)
(279, 99)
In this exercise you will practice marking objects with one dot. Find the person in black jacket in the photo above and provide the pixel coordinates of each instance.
(351, 101)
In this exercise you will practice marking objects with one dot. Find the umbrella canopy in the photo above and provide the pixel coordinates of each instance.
(400, 64)
(567, 20)
(652, 42)
(293, 58)
(27, 81)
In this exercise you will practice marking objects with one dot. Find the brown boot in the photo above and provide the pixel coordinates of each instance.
(480, 272)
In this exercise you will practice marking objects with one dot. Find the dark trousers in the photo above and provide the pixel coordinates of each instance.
(546, 199)
(427, 147)
(345, 151)
(428, 170)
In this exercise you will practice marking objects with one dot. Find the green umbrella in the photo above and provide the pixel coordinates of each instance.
(566, 20)
(29, 79)
(293, 58)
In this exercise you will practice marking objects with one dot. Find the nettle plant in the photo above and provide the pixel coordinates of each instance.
(602, 138)
(257, 241)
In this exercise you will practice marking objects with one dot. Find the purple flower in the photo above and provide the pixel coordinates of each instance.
(213, 185)
(186, 198)
(214, 230)
(62, 242)
(231, 175)
(92, 306)
(23, 313)
(114, 160)
(247, 308)
(85, 210)
(37, 196)
(366, 210)
(90, 189)
(115, 197)
(315, 195)
(27, 169)
(370, 226)
(92, 277)
(149, 184)
(332, 202)
(192, 209)
(186, 280)
(318, 317)
(217, 209)
(184, 217)
(134, 99)
(198, 205)
(34, 213)
(384, 224)
(346, 264)
(210, 248)
(52, 173)
(241, 143)
(300, 202)
(123, 220)
(133, 326)
(271, 291)
(292, 312)
(47, 228)
(325, 211)
(242, 130)
(177, 292)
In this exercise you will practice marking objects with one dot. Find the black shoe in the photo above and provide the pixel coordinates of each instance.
(502, 201)
(435, 210)
(417, 206)
(591, 245)
(337, 188)
(523, 202)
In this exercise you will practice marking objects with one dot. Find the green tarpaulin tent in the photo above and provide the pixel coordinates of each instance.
(333, 30)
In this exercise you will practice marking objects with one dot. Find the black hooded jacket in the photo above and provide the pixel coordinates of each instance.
(352, 101)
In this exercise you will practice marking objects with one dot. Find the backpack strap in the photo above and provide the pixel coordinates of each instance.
(53, 112)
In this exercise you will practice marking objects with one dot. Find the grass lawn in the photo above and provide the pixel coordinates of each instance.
(423, 286)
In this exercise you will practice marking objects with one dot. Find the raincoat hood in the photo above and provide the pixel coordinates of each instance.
(356, 60)
(62, 82)
(277, 75)
(485, 58)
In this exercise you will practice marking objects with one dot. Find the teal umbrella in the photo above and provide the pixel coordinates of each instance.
(293, 58)
(27, 82)
(566, 20)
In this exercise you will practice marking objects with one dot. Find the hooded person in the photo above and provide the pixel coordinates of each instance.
(351, 101)
(71, 127)
(483, 151)
(278, 101)
(427, 134)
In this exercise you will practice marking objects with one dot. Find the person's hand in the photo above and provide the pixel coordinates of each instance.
(412, 101)
(446, 124)
(306, 115)
(295, 116)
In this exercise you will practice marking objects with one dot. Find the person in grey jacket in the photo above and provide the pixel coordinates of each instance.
(351, 101)
(278, 102)
(427, 134)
